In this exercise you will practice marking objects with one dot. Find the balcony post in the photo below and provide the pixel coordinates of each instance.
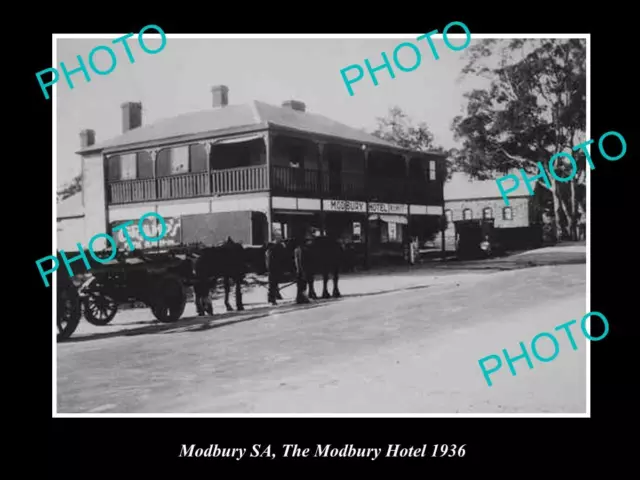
(407, 179)
(268, 139)
(208, 146)
(320, 185)
(408, 193)
(153, 153)
(367, 243)
(320, 146)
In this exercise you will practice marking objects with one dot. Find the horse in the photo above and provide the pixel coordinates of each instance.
(318, 256)
(226, 261)
(322, 256)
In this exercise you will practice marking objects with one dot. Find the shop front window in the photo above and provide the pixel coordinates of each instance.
(393, 235)
(357, 231)
(276, 230)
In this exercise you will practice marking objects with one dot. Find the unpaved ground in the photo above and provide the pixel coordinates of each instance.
(414, 350)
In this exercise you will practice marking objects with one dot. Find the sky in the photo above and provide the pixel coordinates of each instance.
(178, 79)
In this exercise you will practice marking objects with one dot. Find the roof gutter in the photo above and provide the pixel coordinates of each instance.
(178, 139)
(355, 143)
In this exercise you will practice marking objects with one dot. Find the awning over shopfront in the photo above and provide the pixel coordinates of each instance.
(390, 218)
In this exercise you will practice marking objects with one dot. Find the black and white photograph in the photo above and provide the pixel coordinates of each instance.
(323, 225)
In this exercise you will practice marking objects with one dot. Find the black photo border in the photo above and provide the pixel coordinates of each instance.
(130, 446)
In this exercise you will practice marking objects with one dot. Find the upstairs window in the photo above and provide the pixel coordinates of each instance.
(432, 169)
(179, 160)
(183, 159)
(487, 212)
(198, 158)
(144, 165)
(128, 166)
(467, 214)
(113, 168)
(507, 213)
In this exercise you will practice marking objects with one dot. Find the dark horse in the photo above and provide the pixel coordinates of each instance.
(226, 261)
(317, 256)
(322, 256)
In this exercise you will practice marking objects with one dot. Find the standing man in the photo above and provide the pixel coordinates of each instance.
(413, 250)
(301, 281)
(274, 258)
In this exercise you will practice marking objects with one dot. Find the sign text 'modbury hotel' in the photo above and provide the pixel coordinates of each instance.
(345, 206)
(354, 206)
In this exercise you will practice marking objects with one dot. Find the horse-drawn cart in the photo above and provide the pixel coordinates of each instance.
(154, 280)
(69, 309)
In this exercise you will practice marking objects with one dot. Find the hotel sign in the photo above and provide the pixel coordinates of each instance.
(395, 208)
(344, 206)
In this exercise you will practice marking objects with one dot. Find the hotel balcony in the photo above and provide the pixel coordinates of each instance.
(283, 181)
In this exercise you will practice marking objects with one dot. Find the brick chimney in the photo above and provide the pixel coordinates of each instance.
(295, 105)
(220, 95)
(87, 138)
(131, 116)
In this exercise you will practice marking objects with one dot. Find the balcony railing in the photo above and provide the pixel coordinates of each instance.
(190, 185)
(285, 181)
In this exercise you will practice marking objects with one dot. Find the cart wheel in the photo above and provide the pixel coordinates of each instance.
(69, 313)
(171, 301)
(99, 309)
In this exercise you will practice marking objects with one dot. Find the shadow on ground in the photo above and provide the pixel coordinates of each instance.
(199, 324)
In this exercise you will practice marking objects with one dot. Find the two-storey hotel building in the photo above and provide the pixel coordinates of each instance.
(256, 172)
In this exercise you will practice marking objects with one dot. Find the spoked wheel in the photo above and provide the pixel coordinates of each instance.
(69, 313)
(171, 300)
(99, 309)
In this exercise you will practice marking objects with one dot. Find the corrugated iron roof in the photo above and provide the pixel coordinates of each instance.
(229, 119)
(462, 186)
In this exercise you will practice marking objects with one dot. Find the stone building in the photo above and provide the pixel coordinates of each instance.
(519, 224)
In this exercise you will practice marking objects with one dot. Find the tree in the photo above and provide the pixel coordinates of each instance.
(398, 128)
(70, 189)
(533, 108)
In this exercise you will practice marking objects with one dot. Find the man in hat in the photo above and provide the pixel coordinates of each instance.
(274, 259)
(299, 254)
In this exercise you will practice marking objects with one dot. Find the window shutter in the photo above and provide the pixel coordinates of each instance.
(179, 160)
(113, 168)
(164, 162)
(198, 158)
(145, 165)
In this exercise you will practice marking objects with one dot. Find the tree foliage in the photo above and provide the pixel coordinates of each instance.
(534, 107)
(398, 128)
(70, 189)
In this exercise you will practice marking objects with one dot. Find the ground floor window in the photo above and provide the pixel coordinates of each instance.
(280, 230)
(347, 226)
(288, 225)
(387, 232)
